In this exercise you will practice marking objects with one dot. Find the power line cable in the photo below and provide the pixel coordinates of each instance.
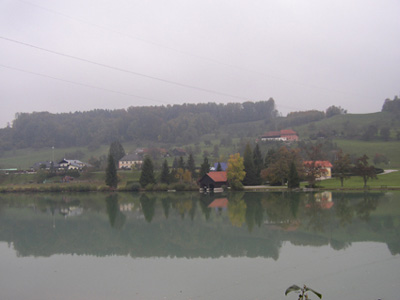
(82, 84)
(190, 54)
(124, 70)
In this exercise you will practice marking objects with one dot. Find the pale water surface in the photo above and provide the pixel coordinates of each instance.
(191, 246)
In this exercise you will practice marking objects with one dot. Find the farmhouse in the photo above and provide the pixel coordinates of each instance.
(286, 135)
(72, 164)
(324, 165)
(130, 161)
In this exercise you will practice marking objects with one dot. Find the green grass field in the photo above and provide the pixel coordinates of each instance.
(391, 180)
(390, 149)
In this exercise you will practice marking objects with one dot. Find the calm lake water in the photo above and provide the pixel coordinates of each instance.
(192, 246)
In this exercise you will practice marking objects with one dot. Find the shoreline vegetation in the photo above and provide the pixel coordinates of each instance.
(389, 181)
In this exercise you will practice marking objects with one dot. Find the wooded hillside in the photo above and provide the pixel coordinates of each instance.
(169, 124)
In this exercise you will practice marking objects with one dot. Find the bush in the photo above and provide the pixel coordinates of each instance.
(132, 186)
(177, 187)
(160, 187)
(237, 186)
(149, 187)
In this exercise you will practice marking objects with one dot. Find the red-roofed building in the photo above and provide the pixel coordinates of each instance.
(325, 165)
(287, 135)
(214, 180)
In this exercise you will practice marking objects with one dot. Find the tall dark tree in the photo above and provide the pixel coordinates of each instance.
(165, 175)
(258, 163)
(205, 167)
(175, 163)
(147, 175)
(219, 167)
(250, 178)
(181, 163)
(269, 158)
(111, 173)
(293, 177)
(191, 166)
(116, 151)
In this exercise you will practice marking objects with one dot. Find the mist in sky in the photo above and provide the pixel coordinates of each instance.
(67, 56)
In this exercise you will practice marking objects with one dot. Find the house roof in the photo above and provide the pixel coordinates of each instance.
(218, 176)
(288, 132)
(130, 157)
(220, 202)
(47, 164)
(319, 163)
(284, 132)
(272, 134)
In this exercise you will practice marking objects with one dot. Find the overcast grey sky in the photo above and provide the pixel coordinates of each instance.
(77, 55)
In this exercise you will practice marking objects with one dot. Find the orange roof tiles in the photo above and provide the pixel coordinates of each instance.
(319, 163)
(218, 176)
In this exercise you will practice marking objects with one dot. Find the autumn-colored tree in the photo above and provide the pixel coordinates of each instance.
(314, 170)
(235, 171)
(279, 167)
(183, 175)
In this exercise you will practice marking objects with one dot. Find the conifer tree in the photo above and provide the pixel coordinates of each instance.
(181, 163)
(191, 165)
(250, 178)
(164, 178)
(258, 163)
(111, 173)
(293, 177)
(205, 167)
(147, 175)
(116, 151)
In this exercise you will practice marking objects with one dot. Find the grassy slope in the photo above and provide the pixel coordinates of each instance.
(390, 149)
(357, 147)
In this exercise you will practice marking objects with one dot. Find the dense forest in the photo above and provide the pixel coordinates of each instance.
(183, 124)
(169, 124)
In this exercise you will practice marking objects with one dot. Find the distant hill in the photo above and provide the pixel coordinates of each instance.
(168, 124)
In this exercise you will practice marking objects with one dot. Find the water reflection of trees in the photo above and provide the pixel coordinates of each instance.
(116, 217)
(251, 224)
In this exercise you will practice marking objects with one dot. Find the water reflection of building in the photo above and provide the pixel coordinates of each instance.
(324, 199)
(126, 206)
(71, 211)
(219, 204)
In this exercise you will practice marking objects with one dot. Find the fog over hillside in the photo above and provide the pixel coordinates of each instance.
(67, 56)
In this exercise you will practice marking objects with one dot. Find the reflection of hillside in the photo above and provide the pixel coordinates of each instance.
(185, 225)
